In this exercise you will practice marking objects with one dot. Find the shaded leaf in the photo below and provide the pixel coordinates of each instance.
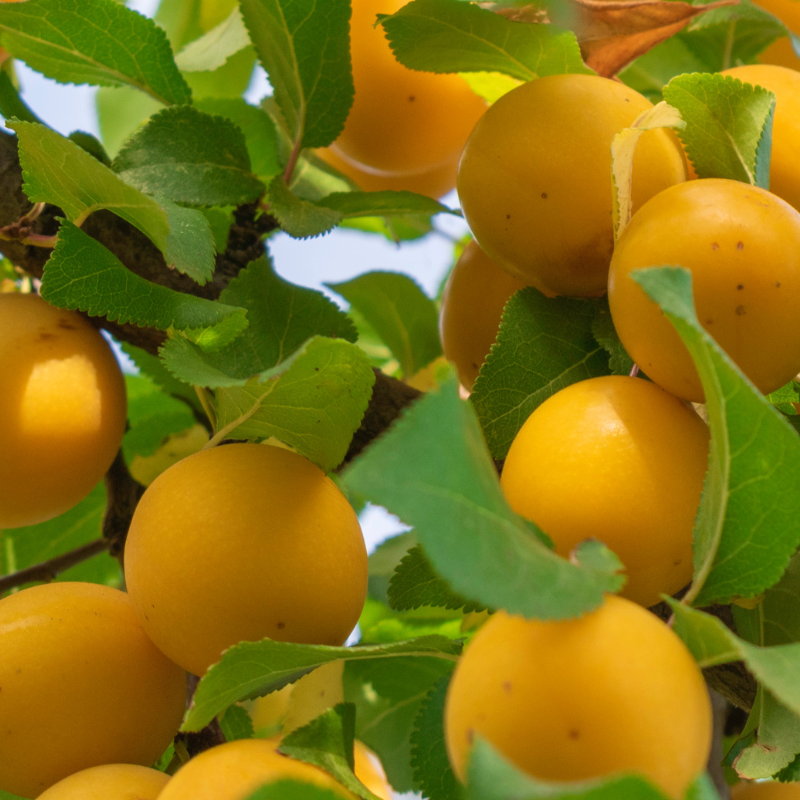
(383, 204)
(214, 48)
(384, 560)
(603, 330)
(301, 219)
(236, 724)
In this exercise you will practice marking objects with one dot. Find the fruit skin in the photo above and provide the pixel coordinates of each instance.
(724, 232)
(433, 183)
(781, 52)
(233, 771)
(109, 782)
(620, 460)
(535, 187)
(62, 409)
(472, 305)
(82, 685)
(239, 543)
(370, 772)
(615, 690)
(402, 121)
(784, 172)
(771, 790)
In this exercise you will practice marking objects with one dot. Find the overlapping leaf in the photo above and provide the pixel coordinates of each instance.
(214, 48)
(748, 524)
(93, 41)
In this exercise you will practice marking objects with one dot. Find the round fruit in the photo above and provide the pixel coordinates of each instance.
(474, 297)
(770, 790)
(370, 772)
(434, 183)
(239, 543)
(535, 178)
(781, 52)
(109, 782)
(784, 171)
(62, 409)
(402, 121)
(82, 685)
(613, 691)
(233, 771)
(724, 232)
(620, 460)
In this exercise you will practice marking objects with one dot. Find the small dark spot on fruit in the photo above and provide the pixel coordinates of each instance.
(574, 734)
(508, 216)
(677, 563)
(709, 321)
(411, 98)
(714, 246)
(46, 337)
(281, 626)
(740, 246)
(66, 325)
(778, 285)
(476, 366)
(507, 685)
(470, 735)
(740, 310)
(322, 693)
(544, 195)
(740, 287)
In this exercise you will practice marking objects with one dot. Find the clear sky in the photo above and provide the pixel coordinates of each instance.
(340, 255)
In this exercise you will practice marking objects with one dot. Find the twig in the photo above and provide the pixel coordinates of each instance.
(49, 570)
(123, 494)
(195, 743)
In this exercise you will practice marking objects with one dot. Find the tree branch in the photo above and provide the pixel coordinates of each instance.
(122, 496)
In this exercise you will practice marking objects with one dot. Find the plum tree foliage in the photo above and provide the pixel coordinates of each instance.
(541, 471)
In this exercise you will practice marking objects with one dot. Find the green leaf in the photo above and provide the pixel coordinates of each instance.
(282, 317)
(380, 624)
(432, 772)
(190, 247)
(120, 112)
(542, 346)
(603, 330)
(91, 145)
(286, 789)
(214, 48)
(23, 547)
(399, 312)
(152, 416)
(12, 106)
(252, 669)
(315, 406)
(748, 524)
(433, 470)
(304, 47)
(299, 218)
(728, 131)
(93, 41)
(327, 743)
(416, 584)
(190, 157)
(388, 694)
(384, 560)
(383, 204)
(259, 131)
(453, 36)
(83, 275)
(492, 777)
(784, 399)
(236, 724)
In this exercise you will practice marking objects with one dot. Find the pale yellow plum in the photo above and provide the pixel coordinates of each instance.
(784, 169)
(240, 543)
(620, 460)
(765, 790)
(233, 771)
(535, 178)
(474, 298)
(82, 685)
(742, 246)
(109, 782)
(402, 121)
(781, 52)
(62, 409)
(313, 694)
(613, 691)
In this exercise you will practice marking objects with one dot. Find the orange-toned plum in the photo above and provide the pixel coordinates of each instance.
(784, 171)
(82, 685)
(781, 52)
(239, 543)
(109, 782)
(535, 178)
(474, 297)
(62, 409)
(613, 691)
(233, 771)
(434, 183)
(742, 246)
(620, 460)
(765, 790)
(402, 121)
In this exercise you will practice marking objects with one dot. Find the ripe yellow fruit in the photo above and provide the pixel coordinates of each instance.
(781, 52)
(535, 178)
(771, 790)
(62, 409)
(370, 771)
(314, 694)
(613, 691)
(233, 771)
(474, 297)
(82, 685)
(109, 782)
(239, 543)
(434, 183)
(724, 232)
(402, 121)
(620, 460)
(784, 171)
